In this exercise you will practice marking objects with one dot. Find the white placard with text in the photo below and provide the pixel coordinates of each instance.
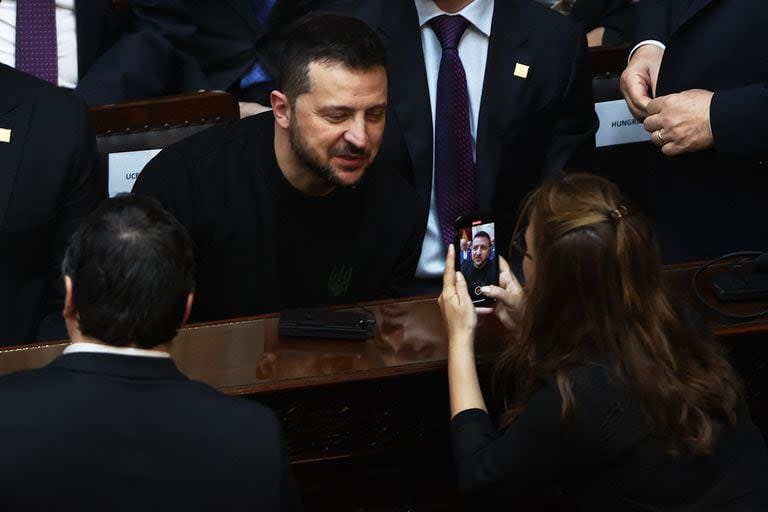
(617, 126)
(125, 167)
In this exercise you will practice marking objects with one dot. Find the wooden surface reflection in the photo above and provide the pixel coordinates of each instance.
(249, 357)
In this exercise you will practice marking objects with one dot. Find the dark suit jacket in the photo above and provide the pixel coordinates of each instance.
(99, 24)
(121, 57)
(49, 179)
(174, 46)
(713, 201)
(114, 432)
(615, 15)
(527, 128)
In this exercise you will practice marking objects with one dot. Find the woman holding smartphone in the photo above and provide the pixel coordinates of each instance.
(611, 394)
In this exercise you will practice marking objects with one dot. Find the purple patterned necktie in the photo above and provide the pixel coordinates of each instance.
(36, 39)
(454, 162)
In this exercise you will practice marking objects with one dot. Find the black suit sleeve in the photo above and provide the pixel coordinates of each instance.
(573, 134)
(652, 20)
(84, 188)
(524, 456)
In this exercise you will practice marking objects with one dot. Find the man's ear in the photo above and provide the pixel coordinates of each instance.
(281, 108)
(70, 310)
(188, 308)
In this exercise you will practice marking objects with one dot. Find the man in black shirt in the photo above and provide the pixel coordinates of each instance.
(339, 230)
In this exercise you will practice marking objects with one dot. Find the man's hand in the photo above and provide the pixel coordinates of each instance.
(638, 81)
(248, 108)
(679, 123)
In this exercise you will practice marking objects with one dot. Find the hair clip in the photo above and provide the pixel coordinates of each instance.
(618, 213)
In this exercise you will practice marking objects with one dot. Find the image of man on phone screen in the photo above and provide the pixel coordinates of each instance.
(480, 269)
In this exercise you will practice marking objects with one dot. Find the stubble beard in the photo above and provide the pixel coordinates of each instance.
(312, 162)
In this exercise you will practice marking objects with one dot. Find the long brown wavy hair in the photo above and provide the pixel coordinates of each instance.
(597, 291)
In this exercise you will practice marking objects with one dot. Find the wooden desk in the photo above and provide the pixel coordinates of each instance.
(379, 407)
(247, 357)
(347, 408)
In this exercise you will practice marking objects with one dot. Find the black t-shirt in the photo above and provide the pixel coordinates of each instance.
(262, 245)
(476, 277)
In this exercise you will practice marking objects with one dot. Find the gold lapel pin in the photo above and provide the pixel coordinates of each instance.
(5, 135)
(521, 70)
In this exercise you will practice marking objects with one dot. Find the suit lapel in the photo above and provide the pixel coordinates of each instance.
(501, 91)
(409, 94)
(15, 114)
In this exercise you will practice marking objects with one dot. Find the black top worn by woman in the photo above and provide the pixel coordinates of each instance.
(605, 455)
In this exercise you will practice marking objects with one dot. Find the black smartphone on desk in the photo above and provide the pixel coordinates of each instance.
(318, 323)
(740, 286)
(476, 255)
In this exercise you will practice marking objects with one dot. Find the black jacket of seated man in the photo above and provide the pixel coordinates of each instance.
(283, 206)
(49, 180)
(112, 424)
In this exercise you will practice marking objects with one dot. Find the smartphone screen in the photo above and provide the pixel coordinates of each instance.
(476, 255)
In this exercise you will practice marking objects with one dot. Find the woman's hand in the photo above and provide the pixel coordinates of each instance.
(460, 321)
(458, 311)
(508, 295)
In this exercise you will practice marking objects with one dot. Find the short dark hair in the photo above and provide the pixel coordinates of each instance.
(132, 267)
(328, 39)
(483, 233)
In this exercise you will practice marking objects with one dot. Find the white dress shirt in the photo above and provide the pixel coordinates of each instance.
(66, 39)
(473, 51)
(98, 348)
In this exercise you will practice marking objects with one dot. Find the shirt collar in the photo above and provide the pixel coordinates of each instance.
(479, 13)
(98, 348)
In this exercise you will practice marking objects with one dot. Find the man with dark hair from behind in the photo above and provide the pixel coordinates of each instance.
(302, 177)
(112, 423)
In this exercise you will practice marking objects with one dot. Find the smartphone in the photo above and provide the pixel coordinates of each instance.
(740, 286)
(317, 323)
(476, 255)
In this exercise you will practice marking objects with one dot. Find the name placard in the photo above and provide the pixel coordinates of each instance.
(125, 167)
(617, 126)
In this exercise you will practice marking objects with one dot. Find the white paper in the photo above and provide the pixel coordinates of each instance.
(617, 126)
(125, 167)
